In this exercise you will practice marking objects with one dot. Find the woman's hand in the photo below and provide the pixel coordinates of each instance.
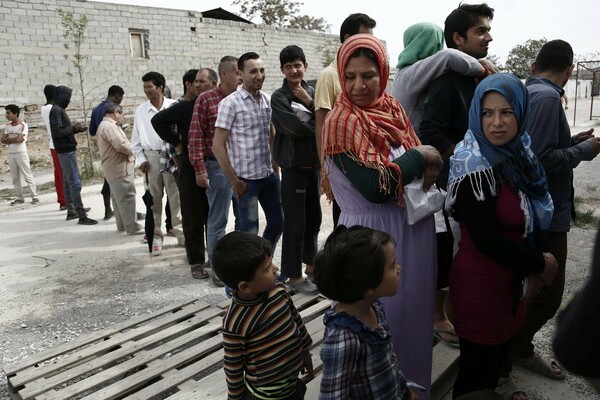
(430, 175)
(550, 269)
(430, 154)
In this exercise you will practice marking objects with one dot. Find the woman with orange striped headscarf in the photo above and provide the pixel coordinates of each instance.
(370, 151)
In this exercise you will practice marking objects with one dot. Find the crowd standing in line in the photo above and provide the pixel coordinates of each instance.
(503, 150)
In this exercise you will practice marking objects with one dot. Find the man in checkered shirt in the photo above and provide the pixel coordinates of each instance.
(242, 146)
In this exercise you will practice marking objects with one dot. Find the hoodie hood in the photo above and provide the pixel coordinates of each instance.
(62, 96)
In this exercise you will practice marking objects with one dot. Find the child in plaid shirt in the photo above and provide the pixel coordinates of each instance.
(357, 266)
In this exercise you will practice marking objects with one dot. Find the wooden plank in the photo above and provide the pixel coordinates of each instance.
(87, 339)
(444, 370)
(131, 367)
(127, 349)
(110, 342)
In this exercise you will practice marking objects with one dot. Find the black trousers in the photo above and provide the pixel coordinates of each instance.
(300, 199)
(479, 366)
(194, 211)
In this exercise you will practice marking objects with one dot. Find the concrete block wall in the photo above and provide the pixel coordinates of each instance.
(33, 52)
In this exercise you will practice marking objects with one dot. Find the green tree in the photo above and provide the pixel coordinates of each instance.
(522, 56)
(282, 13)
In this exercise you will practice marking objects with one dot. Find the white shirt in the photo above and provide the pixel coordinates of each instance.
(13, 131)
(46, 117)
(144, 136)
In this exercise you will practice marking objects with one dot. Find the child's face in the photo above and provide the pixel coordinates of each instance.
(391, 273)
(10, 116)
(265, 276)
(294, 71)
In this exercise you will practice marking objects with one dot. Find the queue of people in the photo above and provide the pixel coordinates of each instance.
(482, 274)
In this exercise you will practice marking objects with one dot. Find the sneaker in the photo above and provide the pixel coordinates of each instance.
(140, 216)
(71, 216)
(16, 202)
(87, 221)
(35, 200)
(62, 207)
(156, 249)
(305, 287)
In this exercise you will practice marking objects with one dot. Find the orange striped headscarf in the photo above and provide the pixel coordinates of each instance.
(367, 134)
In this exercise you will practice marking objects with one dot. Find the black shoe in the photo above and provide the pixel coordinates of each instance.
(108, 214)
(17, 202)
(87, 221)
(71, 216)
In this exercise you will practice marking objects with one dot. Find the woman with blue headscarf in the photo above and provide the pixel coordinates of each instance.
(497, 192)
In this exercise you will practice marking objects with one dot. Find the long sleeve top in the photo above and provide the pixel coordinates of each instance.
(202, 128)
(295, 144)
(263, 340)
(115, 150)
(180, 115)
(411, 82)
(551, 143)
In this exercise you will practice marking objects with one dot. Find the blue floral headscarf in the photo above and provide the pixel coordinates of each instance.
(476, 158)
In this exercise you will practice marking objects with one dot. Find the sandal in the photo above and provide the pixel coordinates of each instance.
(507, 389)
(541, 366)
(198, 272)
(437, 333)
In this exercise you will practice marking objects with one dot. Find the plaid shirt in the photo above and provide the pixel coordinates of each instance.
(249, 125)
(353, 354)
(202, 128)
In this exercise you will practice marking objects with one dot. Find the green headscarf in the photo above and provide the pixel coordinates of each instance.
(420, 41)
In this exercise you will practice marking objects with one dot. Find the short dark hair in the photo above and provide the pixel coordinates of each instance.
(13, 108)
(156, 78)
(167, 92)
(554, 56)
(246, 56)
(238, 255)
(363, 51)
(351, 25)
(189, 76)
(49, 92)
(212, 75)
(115, 90)
(291, 54)
(463, 18)
(225, 62)
(351, 262)
(112, 108)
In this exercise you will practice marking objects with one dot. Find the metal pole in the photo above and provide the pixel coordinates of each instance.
(576, 87)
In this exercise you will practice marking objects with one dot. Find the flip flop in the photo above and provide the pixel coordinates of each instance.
(541, 366)
(437, 333)
(199, 272)
(507, 389)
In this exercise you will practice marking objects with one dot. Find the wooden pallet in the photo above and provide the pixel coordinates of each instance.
(175, 353)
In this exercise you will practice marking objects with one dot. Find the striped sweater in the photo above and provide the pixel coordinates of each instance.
(263, 341)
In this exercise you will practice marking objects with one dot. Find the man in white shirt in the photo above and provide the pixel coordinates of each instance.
(146, 146)
(58, 176)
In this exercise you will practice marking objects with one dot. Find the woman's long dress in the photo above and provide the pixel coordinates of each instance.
(410, 312)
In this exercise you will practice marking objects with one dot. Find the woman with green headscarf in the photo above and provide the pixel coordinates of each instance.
(422, 60)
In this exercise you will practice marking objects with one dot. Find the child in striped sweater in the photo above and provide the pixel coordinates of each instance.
(265, 342)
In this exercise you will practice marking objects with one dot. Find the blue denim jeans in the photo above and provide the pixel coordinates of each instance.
(267, 192)
(219, 200)
(72, 183)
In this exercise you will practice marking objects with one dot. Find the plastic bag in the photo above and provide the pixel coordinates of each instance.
(420, 204)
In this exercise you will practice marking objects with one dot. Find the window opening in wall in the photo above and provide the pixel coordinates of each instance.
(138, 43)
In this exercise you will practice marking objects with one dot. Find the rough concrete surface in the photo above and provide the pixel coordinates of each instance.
(60, 280)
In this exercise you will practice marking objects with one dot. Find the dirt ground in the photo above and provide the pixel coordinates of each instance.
(60, 280)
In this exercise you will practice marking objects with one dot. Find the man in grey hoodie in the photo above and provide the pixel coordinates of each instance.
(63, 136)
